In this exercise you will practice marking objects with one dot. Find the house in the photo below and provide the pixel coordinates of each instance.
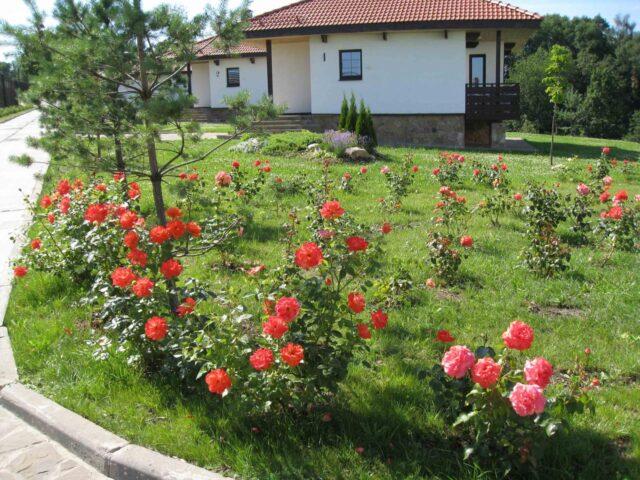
(432, 71)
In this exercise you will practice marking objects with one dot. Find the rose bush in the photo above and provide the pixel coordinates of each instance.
(504, 405)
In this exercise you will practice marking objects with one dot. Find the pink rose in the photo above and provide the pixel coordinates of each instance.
(223, 179)
(486, 372)
(538, 372)
(607, 180)
(519, 336)
(457, 361)
(527, 400)
(583, 189)
(384, 170)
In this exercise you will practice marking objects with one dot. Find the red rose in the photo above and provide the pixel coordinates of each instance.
(504, 167)
(476, 172)
(156, 329)
(363, 170)
(363, 331)
(604, 197)
(519, 336)
(486, 372)
(159, 234)
(63, 187)
(143, 287)
(275, 327)
(415, 169)
(527, 400)
(292, 354)
(134, 191)
(128, 220)
(46, 201)
(621, 196)
(223, 179)
(386, 228)
(466, 241)
(356, 244)
(517, 197)
(176, 228)
(444, 336)
(193, 177)
(218, 381)
(261, 359)
(122, 277)
(257, 163)
(614, 213)
(182, 176)
(36, 243)
(101, 187)
(457, 361)
(235, 164)
(538, 372)
(20, 271)
(287, 308)
(131, 240)
(96, 213)
(171, 268)
(194, 229)
(331, 210)
(606, 150)
(174, 212)
(309, 255)
(51, 218)
(118, 176)
(137, 257)
(356, 302)
(436, 172)
(379, 319)
(187, 306)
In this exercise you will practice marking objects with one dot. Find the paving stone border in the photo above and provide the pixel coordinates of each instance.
(113, 456)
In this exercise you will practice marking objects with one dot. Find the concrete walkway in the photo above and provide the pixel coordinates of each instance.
(25, 453)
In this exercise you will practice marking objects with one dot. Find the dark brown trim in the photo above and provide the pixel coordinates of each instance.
(189, 72)
(269, 69)
(344, 78)
(484, 67)
(498, 60)
(237, 55)
(380, 27)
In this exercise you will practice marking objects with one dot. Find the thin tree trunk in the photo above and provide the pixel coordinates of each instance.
(152, 154)
(120, 165)
(553, 134)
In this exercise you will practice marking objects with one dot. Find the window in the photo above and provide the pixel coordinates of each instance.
(350, 64)
(477, 69)
(233, 77)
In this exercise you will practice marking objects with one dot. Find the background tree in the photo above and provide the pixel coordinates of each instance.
(557, 82)
(344, 113)
(352, 116)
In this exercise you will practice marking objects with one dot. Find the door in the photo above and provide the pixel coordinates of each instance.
(477, 69)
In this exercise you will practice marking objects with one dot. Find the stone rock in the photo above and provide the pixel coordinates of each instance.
(357, 153)
(314, 146)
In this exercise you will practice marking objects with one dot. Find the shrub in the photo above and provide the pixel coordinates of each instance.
(398, 183)
(546, 255)
(619, 224)
(290, 142)
(505, 408)
(344, 113)
(448, 170)
(337, 142)
(352, 115)
(491, 175)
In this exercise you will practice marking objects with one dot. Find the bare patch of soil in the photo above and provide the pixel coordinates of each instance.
(555, 311)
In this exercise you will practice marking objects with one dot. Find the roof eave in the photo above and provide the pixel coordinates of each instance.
(232, 55)
(377, 27)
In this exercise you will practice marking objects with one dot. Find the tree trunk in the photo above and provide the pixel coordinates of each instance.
(152, 154)
(553, 134)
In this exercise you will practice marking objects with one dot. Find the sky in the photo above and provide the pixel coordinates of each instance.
(15, 11)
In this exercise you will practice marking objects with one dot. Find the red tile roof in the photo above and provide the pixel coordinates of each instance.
(310, 14)
(207, 48)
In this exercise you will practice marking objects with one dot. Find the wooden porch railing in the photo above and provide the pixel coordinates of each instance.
(493, 102)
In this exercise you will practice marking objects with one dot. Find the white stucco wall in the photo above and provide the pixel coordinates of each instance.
(200, 84)
(253, 77)
(291, 83)
(410, 72)
(488, 48)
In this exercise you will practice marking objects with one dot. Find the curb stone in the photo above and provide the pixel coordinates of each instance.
(111, 455)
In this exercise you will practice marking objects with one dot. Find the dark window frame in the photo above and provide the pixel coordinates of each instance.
(484, 68)
(229, 85)
(343, 77)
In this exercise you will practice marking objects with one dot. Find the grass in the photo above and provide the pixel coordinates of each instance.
(388, 407)
(9, 113)
(206, 127)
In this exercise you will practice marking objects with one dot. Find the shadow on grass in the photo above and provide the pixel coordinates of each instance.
(569, 149)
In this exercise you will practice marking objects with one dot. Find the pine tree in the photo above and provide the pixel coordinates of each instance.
(352, 116)
(344, 113)
(370, 129)
(361, 123)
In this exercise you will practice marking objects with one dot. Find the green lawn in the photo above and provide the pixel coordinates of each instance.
(9, 113)
(386, 407)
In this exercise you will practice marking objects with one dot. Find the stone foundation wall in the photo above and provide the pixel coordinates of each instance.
(498, 135)
(413, 130)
